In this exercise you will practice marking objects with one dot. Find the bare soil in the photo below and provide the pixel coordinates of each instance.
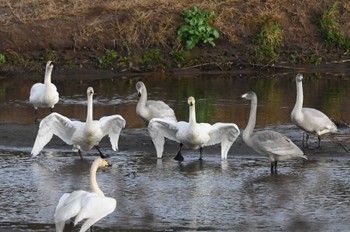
(76, 34)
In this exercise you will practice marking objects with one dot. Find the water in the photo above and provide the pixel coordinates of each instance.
(153, 194)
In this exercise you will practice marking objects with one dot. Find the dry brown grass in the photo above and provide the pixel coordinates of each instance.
(140, 24)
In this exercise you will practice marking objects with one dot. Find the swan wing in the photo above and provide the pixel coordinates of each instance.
(315, 120)
(159, 129)
(275, 143)
(159, 109)
(93, 209)
(112, 126)
(224, 133)
(53, 124)
(69, 205)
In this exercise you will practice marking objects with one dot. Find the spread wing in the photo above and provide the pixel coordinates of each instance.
(53, 124)
(224, 133)
(112, 126)
(160, 129)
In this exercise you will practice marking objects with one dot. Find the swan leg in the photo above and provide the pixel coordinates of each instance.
(79, 152)
(179, 156)
(99, 151)
(274, 167)
(36, 116)
(200, 153)
(319, 141)
(307, 140)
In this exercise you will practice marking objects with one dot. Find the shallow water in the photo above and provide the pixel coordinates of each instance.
(153, 194)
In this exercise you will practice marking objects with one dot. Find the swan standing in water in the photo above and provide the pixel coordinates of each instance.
(82, 135)
(44, 95)
(310, 120)
(81, 204)
(275, 145)
(148, 109)
(192, 134)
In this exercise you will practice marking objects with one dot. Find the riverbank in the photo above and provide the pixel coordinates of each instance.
(141, 36)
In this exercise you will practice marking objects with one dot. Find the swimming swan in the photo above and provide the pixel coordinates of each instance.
(192, 134)
(148, 109)
(275, 145)
(310, 120)
(82, 135)
(44, 95)
(81, 204)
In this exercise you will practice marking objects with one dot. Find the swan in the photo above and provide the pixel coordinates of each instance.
(44, 95)
(82, 135)
(192, 134)
(81, 204)
(310, 120)
(148, 109)
(275, 145)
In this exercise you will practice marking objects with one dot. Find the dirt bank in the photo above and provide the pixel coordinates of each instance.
(143, 35)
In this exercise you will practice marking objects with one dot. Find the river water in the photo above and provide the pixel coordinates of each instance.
(154, 194)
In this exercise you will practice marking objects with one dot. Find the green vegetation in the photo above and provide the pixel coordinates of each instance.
(2, 58)
(181, 58)
(50, 54)
(197, 27)
(331, 31)
(306, 59)
(268, 42)
(106, 60)
(152, 57)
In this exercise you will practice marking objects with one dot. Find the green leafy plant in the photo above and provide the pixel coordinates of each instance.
(106, 60)
(268, 41)
(198, 27)
(2, 58)
(330, 29)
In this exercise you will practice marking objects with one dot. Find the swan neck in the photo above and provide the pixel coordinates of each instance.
(89, 116)
(252, 119)
(192, 116)
(47, 79)
(300, 97)
(93, 182)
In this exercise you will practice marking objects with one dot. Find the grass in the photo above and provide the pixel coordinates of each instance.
(268, 41)
(330, 28)
(132, 27)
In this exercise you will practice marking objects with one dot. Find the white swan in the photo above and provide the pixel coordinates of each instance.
(310, 120)
(82, 135)
(148, 109)
(275, 145)
(81, 204)
(44, 95)
(192, 134)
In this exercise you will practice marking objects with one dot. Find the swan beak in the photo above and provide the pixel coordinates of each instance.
(139, 94)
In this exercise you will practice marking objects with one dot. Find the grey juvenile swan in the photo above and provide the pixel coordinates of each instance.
(82, 135)
(192, 134)
(275, 145)
(148, 109)
(310, 120)
(44, 94)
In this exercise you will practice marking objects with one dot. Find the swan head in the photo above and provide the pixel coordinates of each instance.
(299, 77)
(49, 65)
(139, 86)
(249, 95)
(90, 91)
(191, 101)
(102, 162)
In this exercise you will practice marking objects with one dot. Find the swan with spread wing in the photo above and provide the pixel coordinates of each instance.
(192, 134)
